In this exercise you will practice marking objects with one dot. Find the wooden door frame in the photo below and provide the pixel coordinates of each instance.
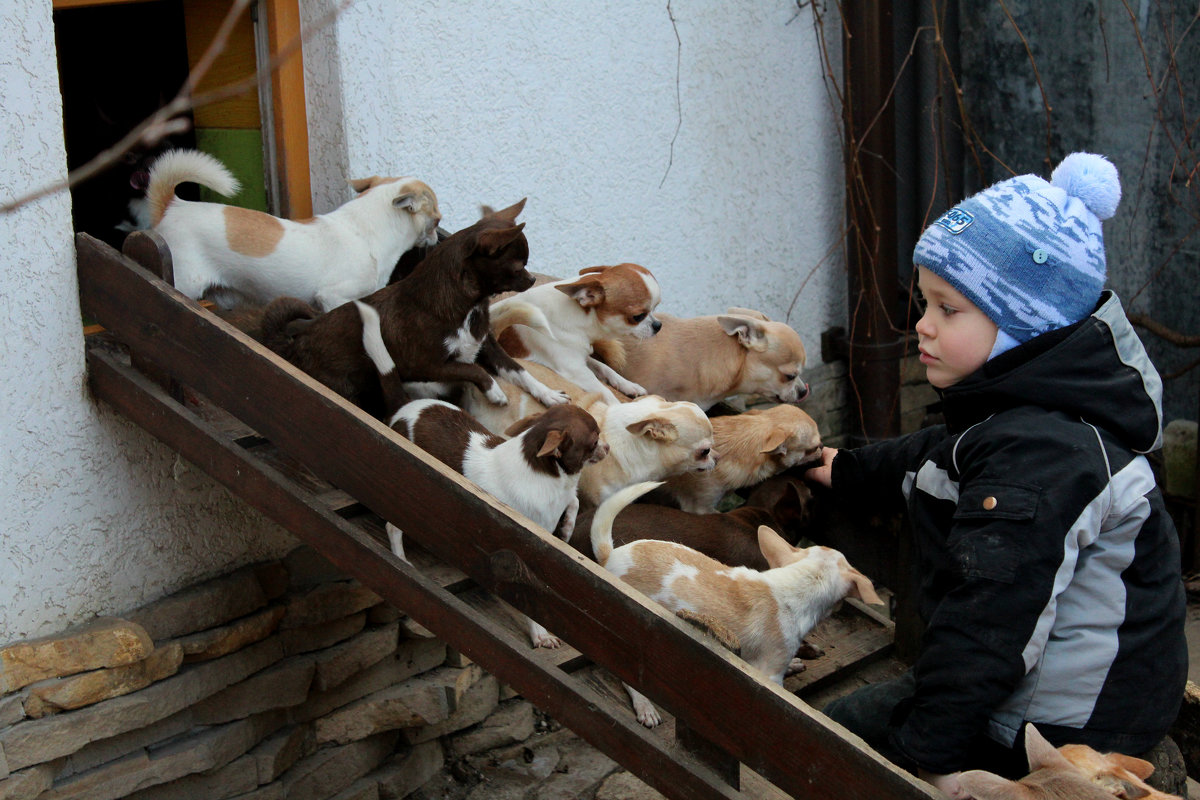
(288, 112)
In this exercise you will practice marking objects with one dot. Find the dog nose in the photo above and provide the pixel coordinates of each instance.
(801, 391)
(655, 326)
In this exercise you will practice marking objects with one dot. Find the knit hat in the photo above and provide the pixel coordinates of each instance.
(1028, 253)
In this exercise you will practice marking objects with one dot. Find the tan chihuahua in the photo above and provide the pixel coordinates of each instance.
(769, 613)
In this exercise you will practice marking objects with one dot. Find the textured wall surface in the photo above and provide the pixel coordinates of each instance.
(712, 158)
(98, 517)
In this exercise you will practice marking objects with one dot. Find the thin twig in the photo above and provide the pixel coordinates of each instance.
(678, 101)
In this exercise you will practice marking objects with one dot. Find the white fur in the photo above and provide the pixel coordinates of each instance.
(568, 350)
(332, 259)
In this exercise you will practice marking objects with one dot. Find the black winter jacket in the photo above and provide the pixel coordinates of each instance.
(1050, 571)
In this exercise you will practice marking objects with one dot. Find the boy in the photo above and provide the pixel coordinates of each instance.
(1050, 571)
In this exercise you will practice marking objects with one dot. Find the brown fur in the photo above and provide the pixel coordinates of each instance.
(252, 233)
(417, 314)
(731, 538)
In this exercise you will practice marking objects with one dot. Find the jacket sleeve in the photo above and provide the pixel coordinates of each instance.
(878, 470)
(996, 568)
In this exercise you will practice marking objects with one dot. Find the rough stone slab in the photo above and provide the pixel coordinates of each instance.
(408, 772)
(272, 791)
(278, 752)
(1179, 458)
(383, 614)
(332, 769)
(457, 659)
(12, 709)
(475, 705)
(105, 642)
(580, 769)
(37, 741)
(280, 686)
(328, 601)
(239, 776)
(226, 639)
(115, 747)
(323, 635)
(513, 722)
(205, 605)
(3, 765)
(306, 567)
(27, 784)
(338, 663)
(411, 629)
(208, 749)
(412, 657)
(624, 786)
(273, 577)
(87, 688)
(419, 701)
(361, 789)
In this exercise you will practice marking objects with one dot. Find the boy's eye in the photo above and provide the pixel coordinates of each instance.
(948, 310)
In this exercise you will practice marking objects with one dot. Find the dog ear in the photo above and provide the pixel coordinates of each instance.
(521, 425)
(361, 185)
(775, 443)
(593, 270)
(750, 332)
(509, 214)
(861, 586)
(655, 428)
(406, 200)
(1138, 766)
(588, 292)
(775, 548)
(553, 441)
(747, 312)
(1041, 753)
(493, 241)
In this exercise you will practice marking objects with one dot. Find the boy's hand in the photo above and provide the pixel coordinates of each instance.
(824, 473)
(946, 784)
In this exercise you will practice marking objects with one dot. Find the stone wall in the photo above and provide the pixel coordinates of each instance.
(279, 680)
(830, 400)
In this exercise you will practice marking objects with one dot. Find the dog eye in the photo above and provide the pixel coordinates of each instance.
(788, 377)
(638, 317)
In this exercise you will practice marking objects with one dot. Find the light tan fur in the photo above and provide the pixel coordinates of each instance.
(768, 613)
(234, 255)
(1071, 772)
(706, 359)
(754, 445)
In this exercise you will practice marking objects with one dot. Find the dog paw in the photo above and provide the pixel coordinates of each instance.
(648, 715)
(540, 637)
(795, 666)
(496, 395)
(554, 398)
(809, 651)
(632, 389)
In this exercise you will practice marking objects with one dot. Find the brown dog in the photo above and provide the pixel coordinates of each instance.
(433, 326)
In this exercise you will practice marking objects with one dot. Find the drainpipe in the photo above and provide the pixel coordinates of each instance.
(873, 345)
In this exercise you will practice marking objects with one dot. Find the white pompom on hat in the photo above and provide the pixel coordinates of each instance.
(1029, 253)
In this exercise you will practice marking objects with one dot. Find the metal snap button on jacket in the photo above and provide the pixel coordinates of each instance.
(989, 503)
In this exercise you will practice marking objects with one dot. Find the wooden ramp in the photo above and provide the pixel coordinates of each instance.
(331, 474)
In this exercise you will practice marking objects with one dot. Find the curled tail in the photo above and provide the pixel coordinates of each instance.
(279, 323)
(602, 521)
(185, 166)
(511, 311)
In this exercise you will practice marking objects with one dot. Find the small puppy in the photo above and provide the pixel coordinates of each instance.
(536, 471)
(431, 326)
(754, 445)
(1071, 772)
(780, 503)
(769, 613)
(235, 254)
(706, 359)
(605, 303)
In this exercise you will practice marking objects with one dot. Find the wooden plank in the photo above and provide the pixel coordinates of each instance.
(289, 113)
(717, 694)
(491, 645)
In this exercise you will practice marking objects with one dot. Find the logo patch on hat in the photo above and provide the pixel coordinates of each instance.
(955, 220)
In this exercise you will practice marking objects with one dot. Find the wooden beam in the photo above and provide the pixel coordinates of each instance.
(289, 111)
(716, 694)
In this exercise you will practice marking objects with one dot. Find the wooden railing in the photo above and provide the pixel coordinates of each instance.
(724, 711)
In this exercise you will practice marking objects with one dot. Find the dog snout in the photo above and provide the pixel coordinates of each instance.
(655, 326)
(598, 454)
(801, 391)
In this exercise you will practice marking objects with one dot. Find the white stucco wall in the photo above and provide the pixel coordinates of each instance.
(98, 516)
(572, 105)
(576, 106)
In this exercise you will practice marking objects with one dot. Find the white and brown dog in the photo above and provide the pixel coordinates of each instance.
(769, 613)
(536, 471)
(607, 302)
(706, 359)
(754, 445)
(234, 255)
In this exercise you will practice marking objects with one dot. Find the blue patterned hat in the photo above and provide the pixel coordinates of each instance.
(1026, 252)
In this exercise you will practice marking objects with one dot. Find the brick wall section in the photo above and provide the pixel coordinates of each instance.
(278, 681)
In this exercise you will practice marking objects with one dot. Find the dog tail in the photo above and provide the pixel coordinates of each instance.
(606, 514)
(185, 166)
(278, 322)
(511, 311)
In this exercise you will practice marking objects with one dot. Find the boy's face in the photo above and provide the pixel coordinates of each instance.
(954, 336)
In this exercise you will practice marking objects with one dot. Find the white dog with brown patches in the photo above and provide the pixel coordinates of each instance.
(234, 255)
(605, 303)
(769, 613)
